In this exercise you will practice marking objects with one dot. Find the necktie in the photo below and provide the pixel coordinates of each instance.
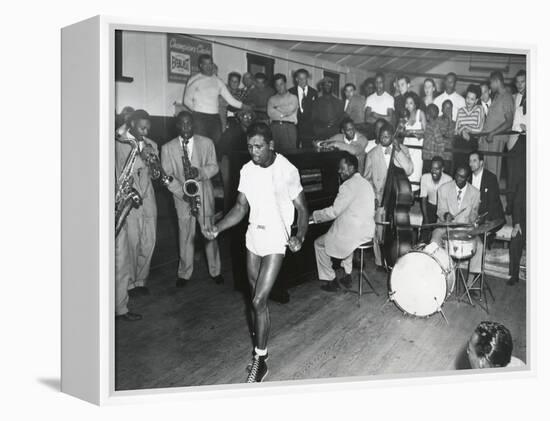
(387, 151)
(459, 197)
(185, 145)
(523, 103)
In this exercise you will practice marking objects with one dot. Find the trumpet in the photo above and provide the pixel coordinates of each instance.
(151, 159)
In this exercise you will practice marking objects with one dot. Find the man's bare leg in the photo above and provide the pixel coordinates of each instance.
(269, 269)
(253, 263)
(262, 273)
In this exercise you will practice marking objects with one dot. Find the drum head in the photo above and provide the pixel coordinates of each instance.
(418, 284)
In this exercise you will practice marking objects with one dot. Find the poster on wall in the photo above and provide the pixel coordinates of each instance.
(183, 56)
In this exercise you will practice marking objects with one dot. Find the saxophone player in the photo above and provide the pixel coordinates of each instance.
(192, 157)
(136, 240)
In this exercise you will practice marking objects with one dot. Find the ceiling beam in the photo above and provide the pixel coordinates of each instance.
(459, 56)
(327, 51)
(349, 55)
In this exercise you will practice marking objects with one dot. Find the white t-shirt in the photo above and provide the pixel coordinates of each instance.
(270, 192)
(380, 103)
(429, 189)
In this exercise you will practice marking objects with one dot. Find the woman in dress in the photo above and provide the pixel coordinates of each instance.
(414, 138)
(429, 91)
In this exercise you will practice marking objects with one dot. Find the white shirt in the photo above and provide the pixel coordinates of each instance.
(380, 103)
(462, 193)
(302, 92)
(387, 156)
(515, 362)
(346, 104)
(486, 106)
(141, 143)
(429, 188)
(476, 180)
(457, 100)
(350, 141)
(519, 119)
(270, 192)
(189, 146)
(202, 92)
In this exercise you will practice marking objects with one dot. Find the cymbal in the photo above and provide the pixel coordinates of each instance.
(446, 224)
(486, 227)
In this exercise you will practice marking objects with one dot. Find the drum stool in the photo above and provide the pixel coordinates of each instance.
(362, 275)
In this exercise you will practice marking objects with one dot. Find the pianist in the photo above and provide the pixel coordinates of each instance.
(353, 215)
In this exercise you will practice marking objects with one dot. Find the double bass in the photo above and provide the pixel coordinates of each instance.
(396, 237)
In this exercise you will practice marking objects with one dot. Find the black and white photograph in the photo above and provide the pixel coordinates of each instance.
(290, 210)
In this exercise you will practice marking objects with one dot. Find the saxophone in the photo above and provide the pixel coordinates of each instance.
(191, 188)
(126, 196)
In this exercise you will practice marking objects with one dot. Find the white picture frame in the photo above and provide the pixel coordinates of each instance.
(88, 209)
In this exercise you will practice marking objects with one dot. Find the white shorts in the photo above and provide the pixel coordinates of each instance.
(263, 241)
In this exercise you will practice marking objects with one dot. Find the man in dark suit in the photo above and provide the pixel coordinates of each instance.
(327, 112)
(487, 184)
(306, 97)
(519, 232)
(354, 104)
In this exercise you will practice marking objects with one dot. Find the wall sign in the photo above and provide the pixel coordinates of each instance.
(183, 56)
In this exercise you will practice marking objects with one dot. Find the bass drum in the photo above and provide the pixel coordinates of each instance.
(422, 279)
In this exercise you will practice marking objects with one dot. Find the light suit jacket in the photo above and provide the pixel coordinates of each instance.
(142, 177)
(446, 202)
(376, 168)
(204, 158)
(356, 108)
(353, 215)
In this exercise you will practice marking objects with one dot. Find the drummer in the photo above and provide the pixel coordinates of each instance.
(429, 185)
(458, 202)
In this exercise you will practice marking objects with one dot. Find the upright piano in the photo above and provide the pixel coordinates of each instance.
(320, 180)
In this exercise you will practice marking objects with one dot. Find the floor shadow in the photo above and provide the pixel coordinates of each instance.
(52, 383)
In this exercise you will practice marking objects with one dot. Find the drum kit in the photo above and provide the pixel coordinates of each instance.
(425, 277)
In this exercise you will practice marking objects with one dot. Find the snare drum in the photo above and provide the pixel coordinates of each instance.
(461, 244)
(422, 279)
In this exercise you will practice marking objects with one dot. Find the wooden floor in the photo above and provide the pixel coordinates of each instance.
(198, 335)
